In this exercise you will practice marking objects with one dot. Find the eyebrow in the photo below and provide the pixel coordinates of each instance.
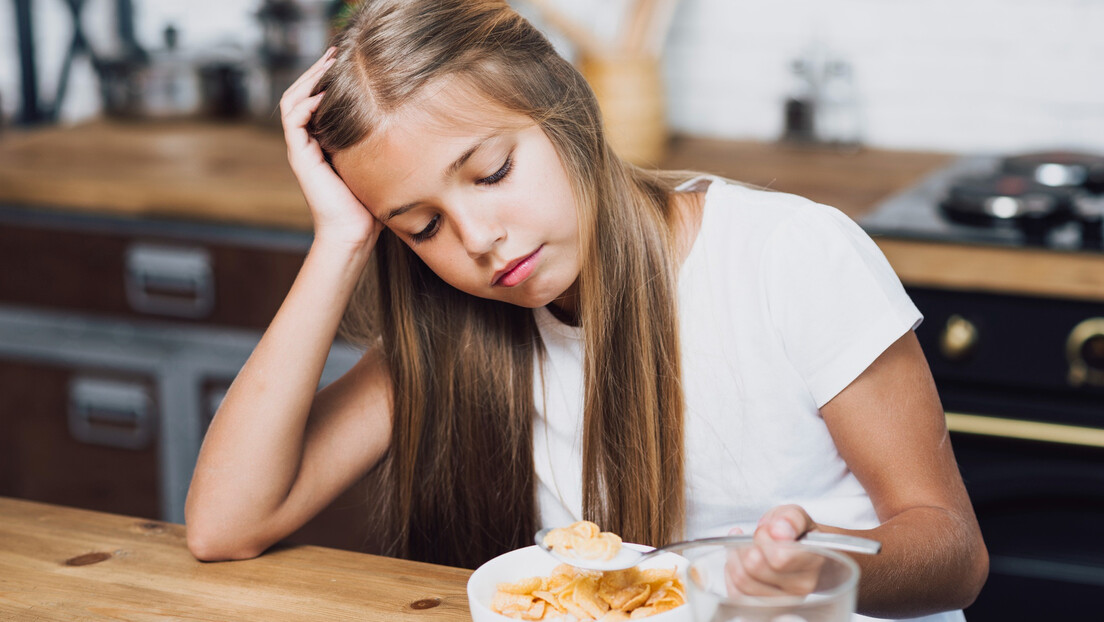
(449, 172)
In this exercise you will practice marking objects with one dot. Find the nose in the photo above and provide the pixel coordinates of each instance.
(479, 230)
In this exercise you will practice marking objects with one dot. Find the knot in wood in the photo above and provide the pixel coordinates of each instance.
(87, 559)
(425, 603)
(152, 527)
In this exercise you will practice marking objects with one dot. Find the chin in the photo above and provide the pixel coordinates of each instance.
(530, 301)
(526, 295)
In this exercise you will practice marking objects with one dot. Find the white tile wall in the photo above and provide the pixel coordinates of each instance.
(962, 75)
(203, 25)
(958, 75)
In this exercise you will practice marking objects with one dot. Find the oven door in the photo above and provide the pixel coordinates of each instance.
(1028, 434)
(1040, 503)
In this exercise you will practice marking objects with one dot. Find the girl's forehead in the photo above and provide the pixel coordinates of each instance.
(450, 107)
(417, 144)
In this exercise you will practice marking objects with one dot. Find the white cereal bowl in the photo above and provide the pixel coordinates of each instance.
(532, 561)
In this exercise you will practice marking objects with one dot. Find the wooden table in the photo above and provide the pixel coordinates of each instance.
(74, 565)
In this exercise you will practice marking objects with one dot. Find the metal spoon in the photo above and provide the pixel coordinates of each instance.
(629, 557)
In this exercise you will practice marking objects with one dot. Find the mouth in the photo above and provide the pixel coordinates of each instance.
(517, 270)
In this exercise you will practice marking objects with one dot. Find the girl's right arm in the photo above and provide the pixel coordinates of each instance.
(276, 453)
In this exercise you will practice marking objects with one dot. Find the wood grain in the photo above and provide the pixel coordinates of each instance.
(1029, 272)
(236, 173)
(143, 572)
(853, 181)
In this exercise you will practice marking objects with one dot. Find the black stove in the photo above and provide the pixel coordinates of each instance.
(1021, 377)
(1052, 200)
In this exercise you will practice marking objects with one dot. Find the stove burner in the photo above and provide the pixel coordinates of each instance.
(1061, 169)
(1053, 200)
(1004, 200)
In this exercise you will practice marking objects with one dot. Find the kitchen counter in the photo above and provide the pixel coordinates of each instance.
(222, 173)
(856, 182)
(65, 564)
(238, 174)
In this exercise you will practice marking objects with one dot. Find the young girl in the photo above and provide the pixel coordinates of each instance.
(553, 334)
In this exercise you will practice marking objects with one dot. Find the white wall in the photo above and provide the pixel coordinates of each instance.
(203, 25)
(945, 74)
(958, 75)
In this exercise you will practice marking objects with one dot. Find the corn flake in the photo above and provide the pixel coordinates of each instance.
(591, 595)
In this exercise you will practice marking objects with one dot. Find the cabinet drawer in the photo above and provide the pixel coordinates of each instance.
(144, 276)
(111, 467)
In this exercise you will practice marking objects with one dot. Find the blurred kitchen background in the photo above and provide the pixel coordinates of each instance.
(973, 75)
(150, 225)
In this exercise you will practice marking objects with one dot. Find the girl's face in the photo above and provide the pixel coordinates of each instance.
(479, 194)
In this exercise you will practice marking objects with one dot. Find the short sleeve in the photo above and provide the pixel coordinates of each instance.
(832, 297)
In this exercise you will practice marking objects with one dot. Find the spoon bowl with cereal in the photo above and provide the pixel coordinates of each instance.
(583, 545)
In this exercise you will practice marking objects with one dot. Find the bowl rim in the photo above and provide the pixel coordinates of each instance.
(479, 574)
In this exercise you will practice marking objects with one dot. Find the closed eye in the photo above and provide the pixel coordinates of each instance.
(498, 175)
(427, 233)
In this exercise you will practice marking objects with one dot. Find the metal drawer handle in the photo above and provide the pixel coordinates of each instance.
(1025, 430)
(170, 280)
(1085, 352)
(109, 412)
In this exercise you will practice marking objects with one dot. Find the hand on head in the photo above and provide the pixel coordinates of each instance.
(338, 215)
(774, 566)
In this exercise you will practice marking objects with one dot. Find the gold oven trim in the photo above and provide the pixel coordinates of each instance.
(1027, 430)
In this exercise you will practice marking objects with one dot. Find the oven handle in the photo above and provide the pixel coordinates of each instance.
(1026, 430)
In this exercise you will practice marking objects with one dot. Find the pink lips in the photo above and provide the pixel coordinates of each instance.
(516, 271)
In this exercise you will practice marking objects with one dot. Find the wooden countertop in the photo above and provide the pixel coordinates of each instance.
(230, 173)
(852, 181)
(238, 174)
(62, 564)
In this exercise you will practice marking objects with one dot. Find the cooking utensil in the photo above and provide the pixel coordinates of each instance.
(579, 35)
(645, 27)
(628, 557)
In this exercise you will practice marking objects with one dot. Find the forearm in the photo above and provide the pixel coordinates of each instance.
(931, 560)
(254, 446)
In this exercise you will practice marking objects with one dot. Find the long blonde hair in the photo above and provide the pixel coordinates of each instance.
(460, 468)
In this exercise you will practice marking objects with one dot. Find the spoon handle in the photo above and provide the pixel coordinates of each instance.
(842, 542)
(836, 541)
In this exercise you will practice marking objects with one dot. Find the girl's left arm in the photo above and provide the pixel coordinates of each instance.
(889, 427)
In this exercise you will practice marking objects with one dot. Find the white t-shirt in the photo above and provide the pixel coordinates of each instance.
(782, 303)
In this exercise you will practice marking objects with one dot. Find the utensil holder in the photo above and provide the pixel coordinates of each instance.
(631, 96)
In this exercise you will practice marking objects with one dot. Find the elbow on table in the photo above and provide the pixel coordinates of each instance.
(209, 545)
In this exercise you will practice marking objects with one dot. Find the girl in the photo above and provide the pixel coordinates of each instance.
(554, 334)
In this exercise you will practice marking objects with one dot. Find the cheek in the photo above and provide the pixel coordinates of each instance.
(567, 217)
(446, 264)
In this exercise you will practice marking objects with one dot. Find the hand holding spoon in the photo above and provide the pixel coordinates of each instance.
(628, 557)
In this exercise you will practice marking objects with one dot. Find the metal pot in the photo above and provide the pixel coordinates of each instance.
(169, 84)
(160, 85)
